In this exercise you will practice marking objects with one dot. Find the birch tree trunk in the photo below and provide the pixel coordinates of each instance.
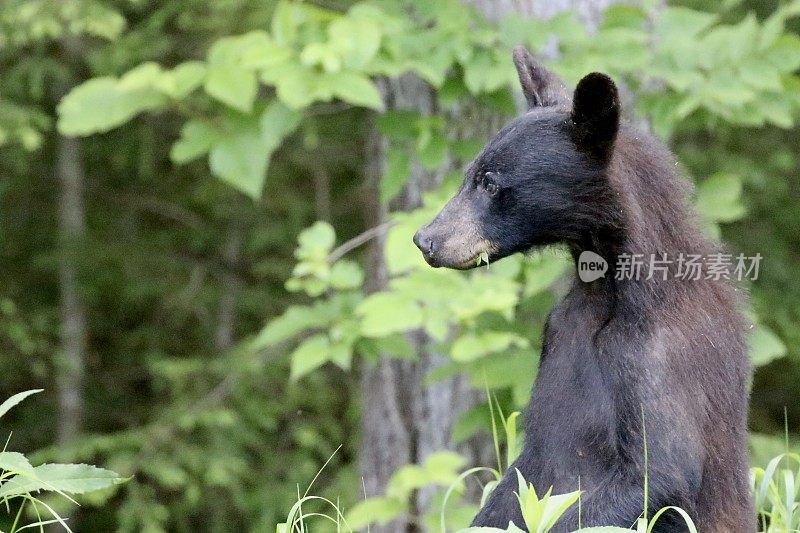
(403, 420)
(71, 361)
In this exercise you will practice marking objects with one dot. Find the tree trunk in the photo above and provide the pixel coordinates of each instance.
(71, 361)
(226, 312)
(404, 421)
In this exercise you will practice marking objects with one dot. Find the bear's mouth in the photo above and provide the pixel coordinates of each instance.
(484, 256)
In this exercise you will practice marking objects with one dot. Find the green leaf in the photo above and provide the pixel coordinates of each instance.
(240, 155)
(197, 138)
(399, 124)
(784, 54)
(383, 313)
(181, 80)
(346, 275)
(398, 170)
(310, 355)
(240, 160)
(277, 121)
(433, 151)
(354, 88)
(760, 75)
(356, 39)
(377, 509)
(682, 21)
(542, 271)
(440, 468)
(15, 462)
(316, 240)
(232, 85)
(15, 399)
(297, 85)
(320, 54)
(104, 103)
(764, 346)
(471, 346)
(72, 479)
(719, 198)
(296, 319)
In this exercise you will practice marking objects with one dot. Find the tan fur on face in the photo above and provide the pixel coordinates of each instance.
(463, 241)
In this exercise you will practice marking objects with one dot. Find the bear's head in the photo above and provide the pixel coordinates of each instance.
(541, 180)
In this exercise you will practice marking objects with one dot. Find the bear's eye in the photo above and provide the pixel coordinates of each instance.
(489, 183)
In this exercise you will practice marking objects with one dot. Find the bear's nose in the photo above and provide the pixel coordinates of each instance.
(425, 243)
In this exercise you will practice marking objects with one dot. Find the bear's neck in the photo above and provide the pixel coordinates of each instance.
(645, 219)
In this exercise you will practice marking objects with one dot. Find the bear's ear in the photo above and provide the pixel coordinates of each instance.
(541, 87)
(595, 114)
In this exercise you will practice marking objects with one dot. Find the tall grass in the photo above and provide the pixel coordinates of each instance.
(775, 493)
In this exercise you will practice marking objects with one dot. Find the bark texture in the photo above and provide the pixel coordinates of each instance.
(71, 361)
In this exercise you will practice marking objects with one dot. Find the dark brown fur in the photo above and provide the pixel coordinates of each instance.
(619, 357)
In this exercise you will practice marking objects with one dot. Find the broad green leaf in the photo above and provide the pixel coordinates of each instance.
(323, 55)
(297, 85)
(443, 466)
(398, 169)
(784, 54)
(487, 293)
(542, 271)
(477, 72)
(240, 155)
(232, 85)
(266, 56)
(760, 75)
(15, 462)
(556, 505)
(356, 39)
(399, 124)
(624, 16)
(101, 104)
(316, 240)
(377, 509)
(471, 346)
(15, 399)
(682, 22)
(401, 254)
(277, 121)
(515, 370)
(719, 198)
(181, 80)
(354, 88)
(240, 160)
(197, 138)
(406, 479)
(384, 313)
(310, 355)
(439, 468)
(764, 346)
(433, 152)
(72, 479)
(346, 275)
(242, 49)
(295, 320)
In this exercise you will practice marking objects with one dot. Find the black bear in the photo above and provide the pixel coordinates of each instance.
(623, 356)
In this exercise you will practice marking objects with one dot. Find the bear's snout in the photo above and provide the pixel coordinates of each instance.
(425, 242)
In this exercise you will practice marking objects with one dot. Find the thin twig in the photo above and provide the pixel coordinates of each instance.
(362, 238)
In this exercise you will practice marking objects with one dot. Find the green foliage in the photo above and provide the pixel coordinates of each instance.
(440, 468)
(776, 491)
(20, 480)
(266, 95)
